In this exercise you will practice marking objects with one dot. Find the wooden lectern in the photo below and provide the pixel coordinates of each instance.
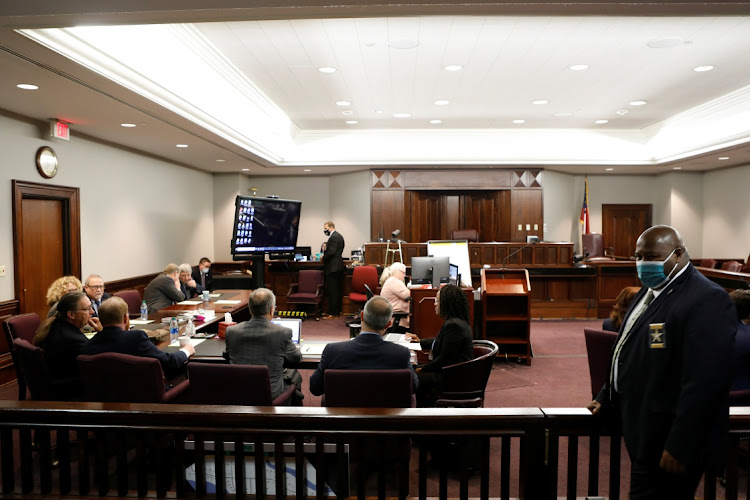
(424, 321)
(505, 304)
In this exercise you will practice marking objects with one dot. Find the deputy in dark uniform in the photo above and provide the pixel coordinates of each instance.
(670, 371)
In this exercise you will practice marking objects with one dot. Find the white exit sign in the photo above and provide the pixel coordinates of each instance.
(60, 130)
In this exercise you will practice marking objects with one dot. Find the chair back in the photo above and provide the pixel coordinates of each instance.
(732, 266)
(369, 292)
(709, 263)
(21, 326)
(368, 388)
(360, 276)
(132, 298)
(598, 348)
(308, 281)
(593, 246)
(223, 384)
(121, 378)
(34, 371)
(468, 380)
(471, 235)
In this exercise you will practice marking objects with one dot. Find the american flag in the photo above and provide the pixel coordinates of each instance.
(585, 216)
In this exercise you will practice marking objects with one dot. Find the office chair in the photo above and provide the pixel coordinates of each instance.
(21, 326)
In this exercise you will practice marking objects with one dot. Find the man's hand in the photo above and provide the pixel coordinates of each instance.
(95, 324)
(411, 337)
(670, 463)
(189, 348)
(594, 407)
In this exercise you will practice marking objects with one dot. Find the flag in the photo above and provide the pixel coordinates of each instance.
(585, 216)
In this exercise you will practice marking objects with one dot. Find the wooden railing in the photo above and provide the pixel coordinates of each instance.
(136, 450)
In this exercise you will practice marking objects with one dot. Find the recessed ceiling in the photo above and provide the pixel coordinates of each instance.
(251, 93)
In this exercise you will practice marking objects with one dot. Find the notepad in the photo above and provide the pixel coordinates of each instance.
(399, 338)
(141, 321)
(227, 301)
(312, 349)
(190, 303)
(193, 341)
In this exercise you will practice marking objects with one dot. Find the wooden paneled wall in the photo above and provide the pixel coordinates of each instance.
(501, 204)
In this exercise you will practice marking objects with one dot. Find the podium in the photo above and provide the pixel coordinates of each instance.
(506, 309)
(424, 321)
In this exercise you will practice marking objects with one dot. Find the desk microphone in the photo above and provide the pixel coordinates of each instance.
(527, 245)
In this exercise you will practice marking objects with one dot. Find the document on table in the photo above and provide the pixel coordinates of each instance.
(228, 301)
(141, 321)
(190, 303)
(195, 342)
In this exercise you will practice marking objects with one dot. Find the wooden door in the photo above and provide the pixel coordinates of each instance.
(426, 215)
(47, 240)
(622, 224)
(482, 212)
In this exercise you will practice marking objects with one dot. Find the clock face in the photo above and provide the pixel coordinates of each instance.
(46, 162)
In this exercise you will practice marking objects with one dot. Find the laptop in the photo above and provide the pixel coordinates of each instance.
(396, 337)
(294, 324)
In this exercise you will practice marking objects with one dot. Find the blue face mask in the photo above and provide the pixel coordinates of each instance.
(651, 273)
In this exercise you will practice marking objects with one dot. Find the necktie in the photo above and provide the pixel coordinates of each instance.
(203, 280)
(626, 333)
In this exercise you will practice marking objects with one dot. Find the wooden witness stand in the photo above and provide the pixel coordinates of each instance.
(506, 311)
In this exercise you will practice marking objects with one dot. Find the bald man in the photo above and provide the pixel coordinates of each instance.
(670, 371)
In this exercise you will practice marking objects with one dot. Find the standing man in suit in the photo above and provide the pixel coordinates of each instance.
(670, 371)
(94, 288)
(116, 336)
(367, 351)
(260, 342)
(203, 275)
(164, 290)
(333, 268)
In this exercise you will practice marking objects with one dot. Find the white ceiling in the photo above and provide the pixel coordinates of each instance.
(250, 93)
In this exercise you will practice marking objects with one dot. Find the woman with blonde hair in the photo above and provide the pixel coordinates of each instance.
(394, 290)
(60, 287)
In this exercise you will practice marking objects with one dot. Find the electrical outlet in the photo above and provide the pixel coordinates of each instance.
(2, 271)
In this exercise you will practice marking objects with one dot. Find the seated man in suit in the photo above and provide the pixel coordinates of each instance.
(116, 337)
(260, 342)
(187, 284)
(741, 349)
(203, 275)
(94, 288)
(368, 351)
(164, 290)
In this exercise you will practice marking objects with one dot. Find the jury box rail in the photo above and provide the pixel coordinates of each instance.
(182, 451)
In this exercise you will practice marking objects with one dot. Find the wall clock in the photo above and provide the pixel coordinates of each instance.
(46, 162)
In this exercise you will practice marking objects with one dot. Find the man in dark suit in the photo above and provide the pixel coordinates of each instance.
(94, 288)
(116, 337)
(164, 290)
(670, 371)
(203, 275)
(741, 351)
(260, 342)
(333, 268)
(189, 287)
(368, 351)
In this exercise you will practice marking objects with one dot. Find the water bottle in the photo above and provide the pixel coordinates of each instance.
(173, 331)
(144, 311)
(190, 328)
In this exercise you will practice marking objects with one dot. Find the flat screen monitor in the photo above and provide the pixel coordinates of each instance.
(430, 270)
(263, 225)
(302, 254)
(294, 324)
(453, 275)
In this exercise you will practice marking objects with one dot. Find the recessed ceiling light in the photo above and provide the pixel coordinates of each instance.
(245, 169)
(27, 86)
(347, 112)
(666, 42)
(379, 111)
(519, 122)
(220, 161)
(343, 103)
(609, 169)
(622, 112)
(402, 115)
(637, 103)
(442, 102)
(578, 67)
(127, 125)
(563, 114)
(722, 158)
(601, 122)
(308, 170)
(351, 122)
(540, 101)
(453, 67)
(182, 145)
(436, 122)
(701, 69)
(403, 43)
(676, 168)
(327, 69)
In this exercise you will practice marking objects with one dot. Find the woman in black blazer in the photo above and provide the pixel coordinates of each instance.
(452, 345)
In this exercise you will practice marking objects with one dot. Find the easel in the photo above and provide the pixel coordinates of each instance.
(394, 251)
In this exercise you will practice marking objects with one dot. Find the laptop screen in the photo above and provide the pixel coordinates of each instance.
(294, 324)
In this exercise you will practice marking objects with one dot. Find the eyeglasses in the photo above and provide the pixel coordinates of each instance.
(90, 308)
(96, 287)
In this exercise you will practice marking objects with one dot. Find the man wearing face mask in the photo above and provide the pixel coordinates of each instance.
(670, 371)
(203, 275)
(333, 269)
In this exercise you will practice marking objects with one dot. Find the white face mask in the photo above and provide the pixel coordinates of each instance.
(205, 270)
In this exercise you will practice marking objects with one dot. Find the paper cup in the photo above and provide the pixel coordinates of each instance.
(183, 341)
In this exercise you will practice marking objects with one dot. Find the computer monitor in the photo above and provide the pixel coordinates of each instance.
(430, 270)
(294, 324)
(453, 276)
